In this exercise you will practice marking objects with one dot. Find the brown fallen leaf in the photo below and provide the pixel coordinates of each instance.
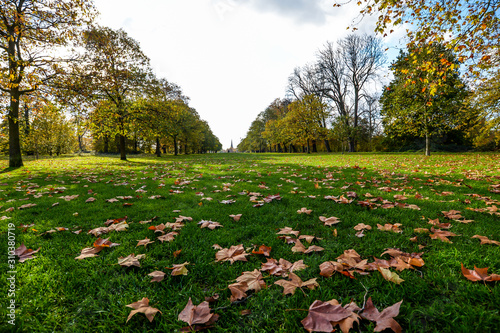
(486, 240)
(442, 235)
(304, 210)
(167, 237)
(390, 227)
(263, 249)
(130, 260)
(321, 316)
(347, 323)
(479, 274)
(236, 217)
(299, 247)
(237, 291)
(24, 253)
(294, 283)
(234, 253)
(389, 276)
(282, 267)
(157, 276)
(144, 242)
(384, 319)
(197, 315)
(179, 269)
(209, 224)
(143, 307)
(288, 231)
(253, 280)
(89, 252)
(91, 199)
(177, 253)
(309, 238)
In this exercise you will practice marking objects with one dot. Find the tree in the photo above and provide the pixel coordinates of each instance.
(29, 33)
(117, 70)
(470, 28)
(50, 133)
(414, 108)
(344, 72)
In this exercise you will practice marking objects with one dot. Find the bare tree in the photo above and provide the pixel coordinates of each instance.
(344, 71)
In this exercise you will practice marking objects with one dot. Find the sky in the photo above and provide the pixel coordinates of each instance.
(232, 58)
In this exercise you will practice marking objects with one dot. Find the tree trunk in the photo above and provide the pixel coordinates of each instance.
(185, 149)
(123, 153)
(158, 151)
(308, 147)
(106, 144)
(314, 148)
(427, 144)
(327, 145)
(15, 158)
(164, 148)
(352, 145)
(136, 144)
(176, 150)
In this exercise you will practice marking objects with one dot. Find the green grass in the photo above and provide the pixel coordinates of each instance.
(56, 293)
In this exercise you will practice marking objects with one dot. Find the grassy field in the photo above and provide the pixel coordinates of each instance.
(57, 293)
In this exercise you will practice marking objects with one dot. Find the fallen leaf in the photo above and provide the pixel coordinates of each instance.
(143, 307)
(263, 249)
(295, 282)
(389, 276)
(157, 276)
(328, 221)
(485, 240)
(144, 242)
(24, 253)
(321, 316)
(234, 253)
(235, 217)
(197, 315)
(384, 319)
(130, 260)
(304, 210)
(179, 269)
(479, 274)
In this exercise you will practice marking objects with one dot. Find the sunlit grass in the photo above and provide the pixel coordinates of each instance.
(58, 293)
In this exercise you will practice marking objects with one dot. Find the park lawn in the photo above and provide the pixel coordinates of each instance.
(57, 293)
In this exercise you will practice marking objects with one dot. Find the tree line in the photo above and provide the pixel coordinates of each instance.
(443, 93)
(69, 84)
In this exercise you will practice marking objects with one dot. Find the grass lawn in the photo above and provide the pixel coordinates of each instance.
(57, 293)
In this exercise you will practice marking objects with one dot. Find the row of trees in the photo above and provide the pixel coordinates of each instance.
(103, 87)
(332, 101)
(429, 98)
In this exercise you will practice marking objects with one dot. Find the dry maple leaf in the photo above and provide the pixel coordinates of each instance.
(237, 291)
(362, 226)
(130, 260)
(253, 280)
(89, 252)
(288, 231)
(69, 197)
(104, 243)
(283, 267)
(329, 267)
(328, 221)
(294, 283)
(390, 227)
(209, 224)
(144, 242)
(321, 316)
(234, 253)
(167, 237)
(91, 199)
(384, 319)
(347, 323)
(442, 235)
(485, 240)
(197, 315)
(304, 210)
(389, 276)
(157, 276)
(24, 253)
(479, 274)
(309, 238)
(179, 269)
(143, 307)
(235, 217)
(263, 249)
(26, 206)
(299, 247)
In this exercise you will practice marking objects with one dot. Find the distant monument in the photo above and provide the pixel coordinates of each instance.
(231, 150)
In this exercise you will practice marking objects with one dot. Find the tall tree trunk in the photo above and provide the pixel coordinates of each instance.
(427, 144)
(164, 148)
(106, 144)
(15, 157)
(123, 153)
(284, 148)
(158, 151)
(308, 147)
(314, 148)
(327, 145)
(26, 120)
(352, 145)
(176, 150)
(185, 149)
(136, 144)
